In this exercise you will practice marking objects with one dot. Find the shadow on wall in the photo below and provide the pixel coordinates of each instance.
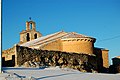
(8, 63)
(101, 68)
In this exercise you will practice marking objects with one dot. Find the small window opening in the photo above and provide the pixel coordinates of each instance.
(35, 36)
(28, 37)
(30, 25)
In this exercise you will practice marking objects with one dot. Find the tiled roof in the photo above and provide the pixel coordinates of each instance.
(52, 37)
(74, 35)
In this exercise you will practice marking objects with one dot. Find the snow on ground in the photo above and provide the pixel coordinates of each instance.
(53, 73)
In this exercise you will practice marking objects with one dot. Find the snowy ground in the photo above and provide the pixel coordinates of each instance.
(53, 73)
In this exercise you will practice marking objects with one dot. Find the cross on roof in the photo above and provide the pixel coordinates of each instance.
(30, 18)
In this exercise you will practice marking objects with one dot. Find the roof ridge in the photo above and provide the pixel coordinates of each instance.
(52, 35)
(51, 40)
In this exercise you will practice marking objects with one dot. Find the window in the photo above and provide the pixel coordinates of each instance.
(30, 25)
(35, 36)
(28, 37)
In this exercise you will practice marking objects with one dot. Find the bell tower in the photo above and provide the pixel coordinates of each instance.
(30, 33)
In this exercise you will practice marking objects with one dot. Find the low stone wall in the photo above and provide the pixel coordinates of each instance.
(8, 53)
(32, 58)
(8, 57)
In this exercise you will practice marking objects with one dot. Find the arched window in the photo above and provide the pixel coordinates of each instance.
(27, 37)
(35, 35)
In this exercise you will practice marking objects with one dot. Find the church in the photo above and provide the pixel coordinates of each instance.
(71, 42)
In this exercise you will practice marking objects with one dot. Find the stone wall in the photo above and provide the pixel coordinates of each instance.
(78, 45)
(7, 53)
(8, 57)
(56, 46)
(32, 58)
(105, 58)
(102, 59)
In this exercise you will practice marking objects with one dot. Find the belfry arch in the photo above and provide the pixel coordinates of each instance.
(32, 25)
(35, 36)
(30, 33)
(27, 37)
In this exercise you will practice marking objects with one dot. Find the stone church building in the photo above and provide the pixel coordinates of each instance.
(60, 41)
